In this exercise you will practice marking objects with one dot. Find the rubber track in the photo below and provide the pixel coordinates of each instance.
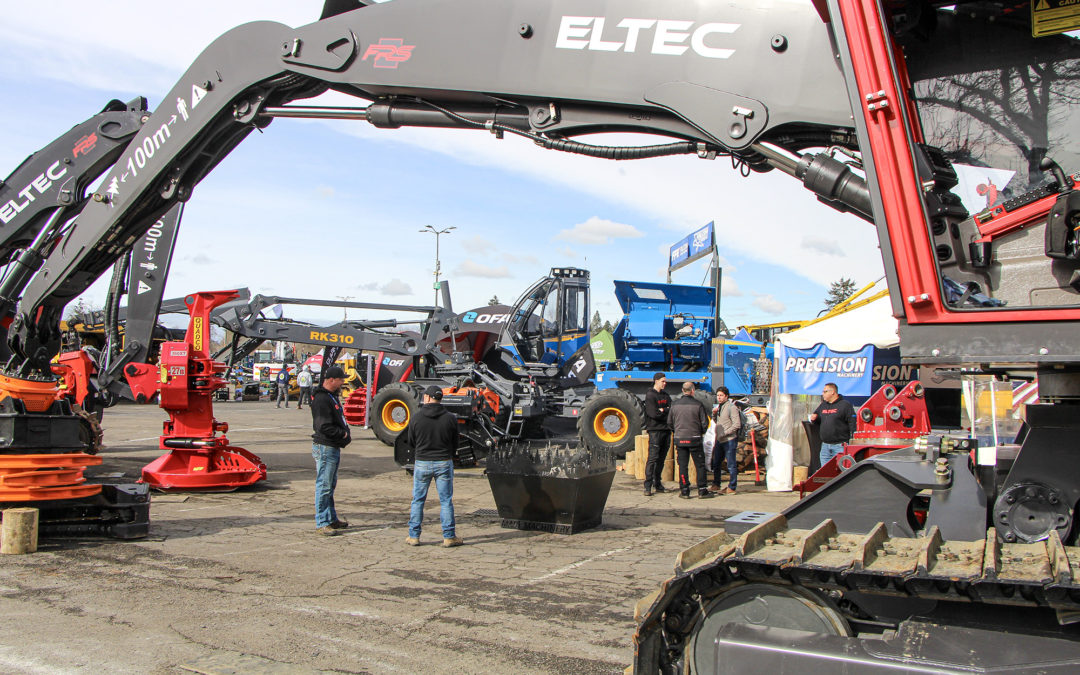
(1043, 574)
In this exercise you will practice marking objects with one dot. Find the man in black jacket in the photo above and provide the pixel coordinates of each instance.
(331, 435)
(689, 421)
(657, 403)
(433, 434)
(837, 419)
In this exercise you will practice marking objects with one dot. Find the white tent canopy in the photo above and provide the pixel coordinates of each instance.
(872, 323)
(849, 331)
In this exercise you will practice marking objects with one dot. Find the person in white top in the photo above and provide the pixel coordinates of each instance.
(303, 380)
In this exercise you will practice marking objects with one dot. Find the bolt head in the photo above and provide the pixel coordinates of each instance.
(525, 31)
(778, 43)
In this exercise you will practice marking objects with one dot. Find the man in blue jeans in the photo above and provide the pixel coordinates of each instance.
(331, 435)
(836, 418)
(433, 435)
(726, 446)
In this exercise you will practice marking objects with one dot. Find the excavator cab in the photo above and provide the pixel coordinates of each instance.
(911, 560)
(550, 321)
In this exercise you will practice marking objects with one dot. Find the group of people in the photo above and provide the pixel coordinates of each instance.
(304, 380)
(432, 433)
(686, 420)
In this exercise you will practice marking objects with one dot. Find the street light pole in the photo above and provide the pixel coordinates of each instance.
(345, 298)
(438, 267)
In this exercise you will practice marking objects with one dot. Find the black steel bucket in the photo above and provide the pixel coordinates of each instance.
(560, 488)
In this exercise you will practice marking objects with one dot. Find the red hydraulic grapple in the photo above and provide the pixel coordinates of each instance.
(198, 458)
(889, 420)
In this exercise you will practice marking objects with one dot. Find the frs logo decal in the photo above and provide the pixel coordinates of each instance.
(388, 52)
(84, 145)
(664, 36)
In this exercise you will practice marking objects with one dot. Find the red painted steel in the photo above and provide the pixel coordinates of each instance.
(885, 108)
(889, 420)
(198, 459)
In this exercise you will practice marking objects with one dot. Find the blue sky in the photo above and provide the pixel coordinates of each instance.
(326, 209)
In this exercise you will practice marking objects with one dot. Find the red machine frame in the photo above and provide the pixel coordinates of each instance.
(889, 420)
(198, 458)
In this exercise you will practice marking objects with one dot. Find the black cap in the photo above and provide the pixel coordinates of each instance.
(434, 392)
(334, 372)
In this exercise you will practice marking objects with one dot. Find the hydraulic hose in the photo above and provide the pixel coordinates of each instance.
(617, 152)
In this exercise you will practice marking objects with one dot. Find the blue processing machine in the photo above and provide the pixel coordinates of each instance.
(673, 329)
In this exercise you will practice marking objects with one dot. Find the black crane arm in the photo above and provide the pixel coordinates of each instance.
(548, 71)
(57, 175)
(433, 323)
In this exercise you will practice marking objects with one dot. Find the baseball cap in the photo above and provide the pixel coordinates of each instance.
(434, 392)
(334, 372)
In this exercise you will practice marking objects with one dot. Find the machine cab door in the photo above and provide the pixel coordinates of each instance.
(550, 321)
(966, 120)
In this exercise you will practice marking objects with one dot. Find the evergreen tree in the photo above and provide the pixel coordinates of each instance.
(494, 300)
(595, 326)
(608, 327)
(839, 291)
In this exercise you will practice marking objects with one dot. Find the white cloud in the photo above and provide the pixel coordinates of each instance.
(567, 252)
(769, 304)
(396, 287)
(599, 231)
(522, 259)
(470, 268)
(479, 245)
(729, 288)
(823, 245)
(200, 259)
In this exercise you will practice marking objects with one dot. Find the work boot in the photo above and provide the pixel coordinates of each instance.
(648, 491)
(412, 541)
(728, 491)
(660, 489)
(339, 524)
(452, 542)
(715, 488)
(684, 495)
(327, 531)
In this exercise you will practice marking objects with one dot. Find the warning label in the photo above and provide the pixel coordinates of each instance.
(1050, 17)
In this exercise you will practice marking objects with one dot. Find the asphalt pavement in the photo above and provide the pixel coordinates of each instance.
(240, 582)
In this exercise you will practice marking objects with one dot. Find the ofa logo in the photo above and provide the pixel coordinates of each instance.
(388, 52)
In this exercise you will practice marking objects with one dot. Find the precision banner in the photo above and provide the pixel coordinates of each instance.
(807, 371)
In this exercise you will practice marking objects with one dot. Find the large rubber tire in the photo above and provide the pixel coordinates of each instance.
(610, 420)
(393, 409)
